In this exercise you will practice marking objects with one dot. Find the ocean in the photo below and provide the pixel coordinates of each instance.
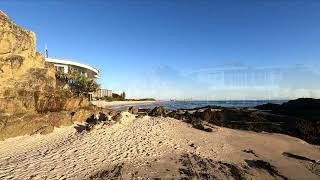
(173, 105)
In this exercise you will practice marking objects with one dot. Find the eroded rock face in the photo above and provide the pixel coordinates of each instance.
(29, 124)
(27, 85)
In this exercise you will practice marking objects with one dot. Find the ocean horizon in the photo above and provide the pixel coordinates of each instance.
(180, 104)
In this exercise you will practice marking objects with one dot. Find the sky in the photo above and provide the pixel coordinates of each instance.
(200, 50)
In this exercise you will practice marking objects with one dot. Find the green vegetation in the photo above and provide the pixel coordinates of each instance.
(115, 97)
(78, 82)
(122, 97)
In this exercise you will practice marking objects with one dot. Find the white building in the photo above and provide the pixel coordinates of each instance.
(66, 66)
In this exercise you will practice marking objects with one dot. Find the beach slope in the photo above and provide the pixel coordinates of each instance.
(157, 147)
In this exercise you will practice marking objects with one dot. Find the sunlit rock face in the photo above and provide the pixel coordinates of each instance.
(27, 85)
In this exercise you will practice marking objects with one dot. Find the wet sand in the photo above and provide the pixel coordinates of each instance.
(155, 147)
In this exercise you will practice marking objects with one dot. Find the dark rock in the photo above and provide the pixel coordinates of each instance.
(175, 115)
(298, 157)
(197, 167)
(249, 151)
(139, 116)
(206, 107)
(260, 164)
(102, 117)
(304, 107)
(208, 129)
(158, 111)
(206, 115)
(197, 123)
(187, 117)
(268, 106)
(92, 120)
(146, 111)
(243, 115)
(113, 173)
(215, 116)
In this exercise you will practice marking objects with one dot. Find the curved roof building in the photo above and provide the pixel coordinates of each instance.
(64, 65)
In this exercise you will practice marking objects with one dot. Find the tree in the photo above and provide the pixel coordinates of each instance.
(123, 95)
(77, 82)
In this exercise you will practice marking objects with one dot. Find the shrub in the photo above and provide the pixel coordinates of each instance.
(77, 82)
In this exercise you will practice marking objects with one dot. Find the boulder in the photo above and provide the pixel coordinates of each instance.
(157, 111)
(268, 106)
(187, 117)
(207, 115)
(133, 110)
(102, 117)
(175, 115)
(117, 117)
(113, 113)
(81, 115)
(303, 107)
(198, 124)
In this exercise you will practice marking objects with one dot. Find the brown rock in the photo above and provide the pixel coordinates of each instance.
(113, 113)
(81, 115)
(117, 117)
(133, 110)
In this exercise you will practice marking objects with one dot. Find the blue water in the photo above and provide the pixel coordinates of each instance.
(173, 105)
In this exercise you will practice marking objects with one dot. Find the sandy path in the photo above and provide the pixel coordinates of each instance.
(138, 143)
(105, 104)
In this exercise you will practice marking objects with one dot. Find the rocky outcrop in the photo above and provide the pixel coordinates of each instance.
(27, 85)
(303, 116)
(268, 106)
(29, 124)
(158, 111)
(133, 110)
(299, 118)
(302, 107)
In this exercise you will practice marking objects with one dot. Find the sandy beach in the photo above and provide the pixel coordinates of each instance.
(106, 104)
(242, 79)
(154, 147)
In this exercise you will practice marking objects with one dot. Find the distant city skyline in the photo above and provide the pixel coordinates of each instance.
(208, 50)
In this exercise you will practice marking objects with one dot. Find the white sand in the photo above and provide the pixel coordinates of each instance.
(106, 104)
(137, 142)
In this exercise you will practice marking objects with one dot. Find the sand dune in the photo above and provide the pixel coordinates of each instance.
(155, 147)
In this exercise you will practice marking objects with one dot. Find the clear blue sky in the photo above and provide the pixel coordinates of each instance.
(181, 49)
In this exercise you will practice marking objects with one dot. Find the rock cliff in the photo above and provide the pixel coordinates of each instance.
(27, 85)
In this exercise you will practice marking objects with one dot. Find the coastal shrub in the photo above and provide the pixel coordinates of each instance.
(77, 82)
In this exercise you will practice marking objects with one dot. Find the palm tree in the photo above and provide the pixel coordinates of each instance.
(77, 82)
